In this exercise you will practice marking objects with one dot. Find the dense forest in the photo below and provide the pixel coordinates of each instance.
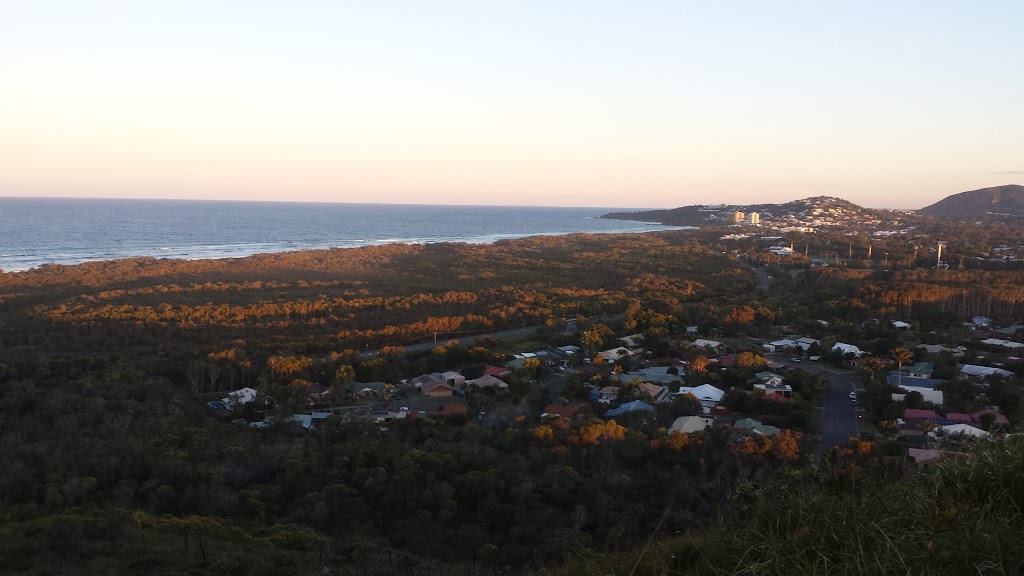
(113, 461)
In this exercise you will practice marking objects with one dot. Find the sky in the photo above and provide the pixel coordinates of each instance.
(583, 103)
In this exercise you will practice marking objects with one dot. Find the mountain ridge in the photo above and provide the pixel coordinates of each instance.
(993, 203)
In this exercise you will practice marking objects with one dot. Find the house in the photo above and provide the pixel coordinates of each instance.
(656, 392)
(958, 429)
(1008, 344)
(632, 342)
(845, 349)
(981, 372)
(919, 415)
(757, 427)
(939, 348)
(454, 379)
(570, 350)
(769, 378)
(1009, 330)
(690, 424)
(801, 343)
(563, 412)
(926, 388)
(431, 385)
(367, 389)
(900, 325)
(959, 418)
(778, 390)
(806, 343)
(999, 418)
(715, 346)
(609, 394)
(659, 375)
(692, 330)
(487, 381)
(981, 321)
(611, 356)
(634, 406)
(919, 370)
(779, 345)
(497, 372)
(238, 398)
(709, 396)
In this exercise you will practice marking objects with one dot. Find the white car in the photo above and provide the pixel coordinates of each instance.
(853, 395)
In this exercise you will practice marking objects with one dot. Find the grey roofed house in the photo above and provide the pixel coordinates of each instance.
(1009, 330)
(367, 388)
(430, 380)
(975, 371)
(689, 424)
(757, 427)
(487, 381)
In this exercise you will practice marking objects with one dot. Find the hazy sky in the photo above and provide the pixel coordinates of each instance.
(587, 103)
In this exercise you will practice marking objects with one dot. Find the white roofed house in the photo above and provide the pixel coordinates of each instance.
(709, 396)
(845, 349)
(238, 398)
(779, 345)
(714, 345)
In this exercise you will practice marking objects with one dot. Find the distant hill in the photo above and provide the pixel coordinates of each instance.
(701, 214)
(996, 203)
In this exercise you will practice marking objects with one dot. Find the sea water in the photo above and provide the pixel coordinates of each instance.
(37, 231)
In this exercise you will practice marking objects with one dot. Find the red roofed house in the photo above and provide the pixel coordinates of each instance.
(499, 373)
(961, 418)
(1000, 419)
(918, 414)
(553, 411)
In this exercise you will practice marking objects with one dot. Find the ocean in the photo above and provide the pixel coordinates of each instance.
(37, 231)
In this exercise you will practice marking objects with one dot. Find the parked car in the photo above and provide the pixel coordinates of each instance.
(795, 359)
(853, 402)
(853, 395)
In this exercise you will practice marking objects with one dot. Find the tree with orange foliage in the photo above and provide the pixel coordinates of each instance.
(602, 431)
(543, 433)
(750, 360)
(740, 315)
(676, 441)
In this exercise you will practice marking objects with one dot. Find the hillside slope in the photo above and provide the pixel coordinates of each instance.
(998, 202)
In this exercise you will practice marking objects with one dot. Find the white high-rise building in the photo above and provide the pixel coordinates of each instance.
(755, 218)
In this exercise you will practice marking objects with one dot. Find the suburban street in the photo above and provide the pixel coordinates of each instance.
(839, 419)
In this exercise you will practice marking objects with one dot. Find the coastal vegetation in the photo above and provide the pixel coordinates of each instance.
(114, 461)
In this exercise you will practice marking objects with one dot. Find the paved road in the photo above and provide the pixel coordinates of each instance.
(839, 421)
(764, 280)
(514, 333)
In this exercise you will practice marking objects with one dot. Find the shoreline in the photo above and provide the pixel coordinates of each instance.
(192, 253)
